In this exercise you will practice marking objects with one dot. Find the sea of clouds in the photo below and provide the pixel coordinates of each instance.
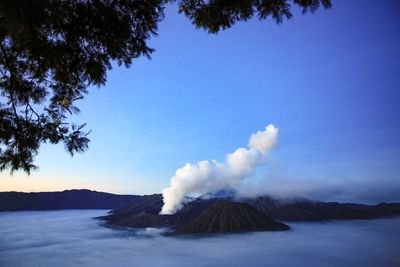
(74, 238)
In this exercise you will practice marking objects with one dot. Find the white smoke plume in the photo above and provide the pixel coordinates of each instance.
(210, 176)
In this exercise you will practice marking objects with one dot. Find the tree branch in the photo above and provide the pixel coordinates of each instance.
(11, 82)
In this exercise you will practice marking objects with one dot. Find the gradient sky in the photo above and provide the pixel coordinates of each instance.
(329, 81)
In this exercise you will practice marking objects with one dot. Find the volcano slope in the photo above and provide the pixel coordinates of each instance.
(230, 217)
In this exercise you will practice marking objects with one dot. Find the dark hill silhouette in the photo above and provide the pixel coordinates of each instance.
(68, 199)
(230, 217)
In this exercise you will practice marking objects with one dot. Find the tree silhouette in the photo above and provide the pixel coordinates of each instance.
(51, 51)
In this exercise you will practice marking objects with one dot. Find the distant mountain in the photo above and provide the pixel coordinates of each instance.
(230, 217)
(307, 210)
(69, 199)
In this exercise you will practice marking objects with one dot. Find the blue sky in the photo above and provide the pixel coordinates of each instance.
(329, 81)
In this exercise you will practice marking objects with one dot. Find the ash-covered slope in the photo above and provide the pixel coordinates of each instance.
(230, 217)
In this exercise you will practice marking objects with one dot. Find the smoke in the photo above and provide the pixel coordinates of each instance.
(209, 176)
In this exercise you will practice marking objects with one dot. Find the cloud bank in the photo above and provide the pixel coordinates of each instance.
(209, 176)
(72, 238)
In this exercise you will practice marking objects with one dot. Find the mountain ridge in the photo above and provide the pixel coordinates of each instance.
(280, 210)
(216, 213)
(67, 199)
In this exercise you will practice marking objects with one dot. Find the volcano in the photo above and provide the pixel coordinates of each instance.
(230, 217)
(218, 215)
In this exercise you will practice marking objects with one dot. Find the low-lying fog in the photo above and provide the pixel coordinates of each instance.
(71, 238)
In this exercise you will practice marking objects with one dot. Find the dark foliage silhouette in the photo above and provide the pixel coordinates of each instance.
(52, 51)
